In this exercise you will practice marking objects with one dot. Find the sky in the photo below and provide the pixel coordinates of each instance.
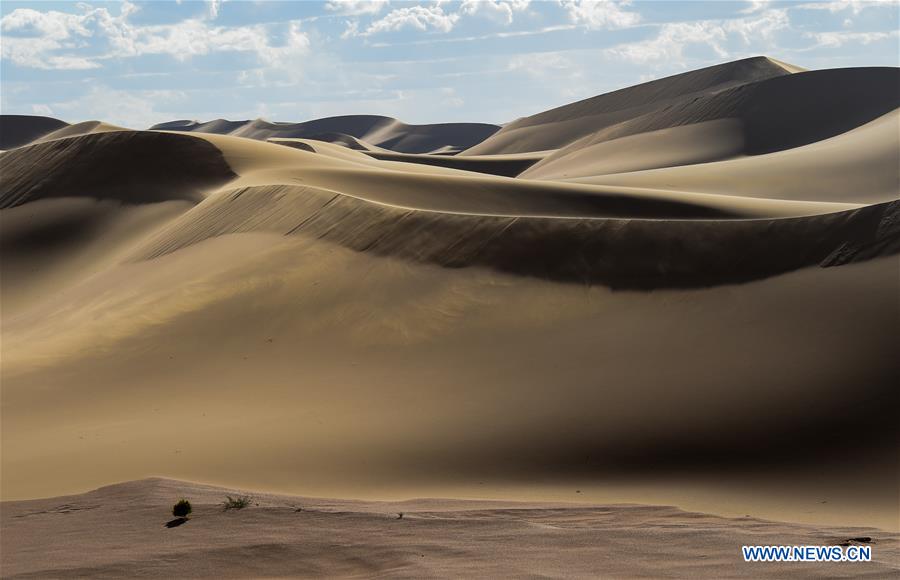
(139, 63)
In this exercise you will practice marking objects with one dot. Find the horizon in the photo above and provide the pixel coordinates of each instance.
(144, 63)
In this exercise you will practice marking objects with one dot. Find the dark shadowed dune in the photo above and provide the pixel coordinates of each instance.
(130, 166)
(623, 254)
(509, 165)
(18, 130)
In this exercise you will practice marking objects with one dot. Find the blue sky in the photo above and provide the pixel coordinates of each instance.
(139, 63)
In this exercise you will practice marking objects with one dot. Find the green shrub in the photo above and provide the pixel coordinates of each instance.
(236, 503)
(182, 508)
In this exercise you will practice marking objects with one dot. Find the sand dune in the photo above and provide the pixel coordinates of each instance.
(18, 130)
(85, 128)
(442, 189)
(509, 165)
(348, 141)
(682, 293)
(615, 253)
(559, 127)
(681, 145)
(858, 166)
(384, 132)
(288, 536)
(130, 166)
(761, 117)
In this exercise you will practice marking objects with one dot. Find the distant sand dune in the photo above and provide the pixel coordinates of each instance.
(384, 132)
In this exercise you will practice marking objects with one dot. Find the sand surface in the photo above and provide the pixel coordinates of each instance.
(681, 294)
(119, 531)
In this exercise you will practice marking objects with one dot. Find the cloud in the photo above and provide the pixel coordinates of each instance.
(213, 7)
(450, 98)
(454, 39)
(56, 25)
(351, 30)
(600, 14)
(673, 37)
(133, 109)
(44, 110)
(420, 18)
(56, 40)
(356, 7)
(37, 34)
(755, 6)
(433, 17)
(838, 39)
(190, 38)
(542, 65)
(855, 6)
(502, 10)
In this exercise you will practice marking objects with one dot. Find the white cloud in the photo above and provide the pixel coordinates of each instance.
(356, 7)
(37, 34)
(674, 37)
(433, 17)
(855, 6)
(543, 64)
(502, 10)
(351, 30)
(51, 40)
(190, 38)
(838, 39)
(56, 25)
(44, 110)
(601, 14)
(755, 6)
(455, 39)
(450, 98)
(36, 53)
(132, 109)
(758, 28)
(420, 18)
(213, 7)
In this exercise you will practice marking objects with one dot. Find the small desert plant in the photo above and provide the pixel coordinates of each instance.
(236, 503)
(182, 509)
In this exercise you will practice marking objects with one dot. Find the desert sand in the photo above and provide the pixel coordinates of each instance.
(680, 294)
(279, 536)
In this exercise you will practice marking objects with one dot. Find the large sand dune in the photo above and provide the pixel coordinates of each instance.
(561, 126)
(681, 293)
(764, 117)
